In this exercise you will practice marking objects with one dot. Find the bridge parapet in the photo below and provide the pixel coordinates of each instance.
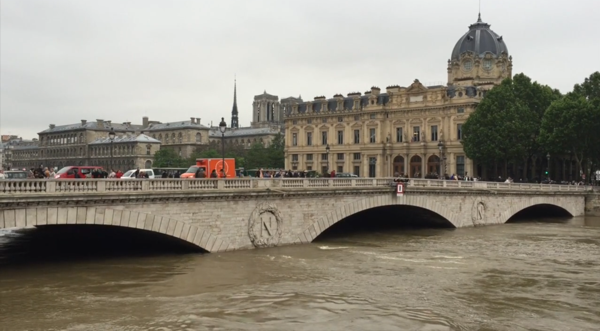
(83, 186)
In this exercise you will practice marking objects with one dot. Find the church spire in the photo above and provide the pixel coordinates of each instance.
(234, 111)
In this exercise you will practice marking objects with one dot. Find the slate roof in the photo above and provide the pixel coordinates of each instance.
(348, 103)
(174, 125)
(242, 132)
(142, 138)
(25, 147)
(480, 39)
(93, 126)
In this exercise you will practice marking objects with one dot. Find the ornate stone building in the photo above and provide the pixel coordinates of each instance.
(129, 152)
(183, 136)
(414, 130)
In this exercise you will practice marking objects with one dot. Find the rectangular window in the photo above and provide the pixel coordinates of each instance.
(340, 137)
(324, 169)
(324, 120)
(294, 157)
(357, 170)
(357, 117)
(340, 156)
(357, 136)
(294, 139)
(309, 157)
(309, 168)
(434, 133)
(416, 133)
(324, 138)
(356, 156)
(294, 122)
(460, 165)
(340, 119)
(309, 139)
(309, 121)
(398, 135)
(340, 169)
(372, 167)
(324, 157)
(459, 131)
(372, 116)
(460, 110)
(372, 136)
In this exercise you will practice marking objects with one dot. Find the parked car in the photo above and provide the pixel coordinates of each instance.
(14, 174)
(130, 174)
(69, 172)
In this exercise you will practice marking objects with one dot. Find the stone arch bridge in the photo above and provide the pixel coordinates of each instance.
(232, 214)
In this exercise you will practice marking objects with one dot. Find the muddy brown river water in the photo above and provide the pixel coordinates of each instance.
(538, 275)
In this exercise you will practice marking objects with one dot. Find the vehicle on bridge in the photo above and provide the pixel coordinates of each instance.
(212, 164)
(131, 174)
(69, 172)
(14, 174)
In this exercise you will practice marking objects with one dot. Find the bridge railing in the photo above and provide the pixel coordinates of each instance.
(496, 185)
(35, 186)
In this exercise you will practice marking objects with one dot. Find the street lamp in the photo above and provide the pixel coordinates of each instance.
(441, 147)
(327, 149)
(222, 128)
(111, 136)
(548, 166)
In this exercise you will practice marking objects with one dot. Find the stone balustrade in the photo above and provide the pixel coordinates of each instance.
(35, 186)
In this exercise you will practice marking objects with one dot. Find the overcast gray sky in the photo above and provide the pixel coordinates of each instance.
(66, 60)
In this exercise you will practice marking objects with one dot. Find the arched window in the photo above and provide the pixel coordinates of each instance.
(180, 138)
(198, 137)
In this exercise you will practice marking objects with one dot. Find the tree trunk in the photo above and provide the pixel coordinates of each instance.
(524, 174)
(505, 174)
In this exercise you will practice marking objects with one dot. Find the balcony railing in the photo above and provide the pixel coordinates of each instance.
(36, 186)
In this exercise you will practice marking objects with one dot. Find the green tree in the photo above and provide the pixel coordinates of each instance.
(256, 156)
(570, 126)
(168, 158)
(501, 128)
(275, 152)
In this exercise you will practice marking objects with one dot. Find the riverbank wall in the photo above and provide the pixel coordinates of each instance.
(592, 204)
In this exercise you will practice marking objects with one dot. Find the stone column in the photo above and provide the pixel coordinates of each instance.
(424, 165)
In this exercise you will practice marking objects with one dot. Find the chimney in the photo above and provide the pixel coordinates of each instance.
(192, 120)
(83, 122)
(52, 126)
(100, 123)
(108, 123)
(198, 120)
(145, 121)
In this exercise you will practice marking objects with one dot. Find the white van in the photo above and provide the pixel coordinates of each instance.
(130, 174)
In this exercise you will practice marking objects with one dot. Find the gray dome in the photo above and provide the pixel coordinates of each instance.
(479, 40)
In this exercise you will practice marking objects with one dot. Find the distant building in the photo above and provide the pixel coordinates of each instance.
(414, 130)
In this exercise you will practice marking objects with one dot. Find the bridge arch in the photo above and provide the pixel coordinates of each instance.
(342, 211)
(48, 216)
(525, 203)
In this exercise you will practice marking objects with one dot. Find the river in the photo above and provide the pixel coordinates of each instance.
(536, 275)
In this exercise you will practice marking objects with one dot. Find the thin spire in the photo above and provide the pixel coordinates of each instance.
(234, 110)
(479, 16)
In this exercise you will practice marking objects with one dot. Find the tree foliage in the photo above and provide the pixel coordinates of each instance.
(168, 158)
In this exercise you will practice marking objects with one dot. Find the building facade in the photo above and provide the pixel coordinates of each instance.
(129, 152)
(414, 130)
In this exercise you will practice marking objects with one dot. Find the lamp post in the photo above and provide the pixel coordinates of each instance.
(327, 149)
(111, 136)
(222, 128)
(548, 166)
(441, 148)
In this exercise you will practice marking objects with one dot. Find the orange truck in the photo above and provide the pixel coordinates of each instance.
(209, 165)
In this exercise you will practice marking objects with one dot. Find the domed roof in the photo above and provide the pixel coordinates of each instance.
(479, 40)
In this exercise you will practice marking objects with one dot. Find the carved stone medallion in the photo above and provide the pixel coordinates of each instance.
(265, 226)
(478, 212)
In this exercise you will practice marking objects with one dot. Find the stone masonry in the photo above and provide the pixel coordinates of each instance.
(227, 220)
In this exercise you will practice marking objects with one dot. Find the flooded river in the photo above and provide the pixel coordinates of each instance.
(536, 275)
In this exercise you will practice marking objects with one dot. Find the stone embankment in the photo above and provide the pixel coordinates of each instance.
(592, 204)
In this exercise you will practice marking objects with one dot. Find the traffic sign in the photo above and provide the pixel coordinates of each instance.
(399, 189)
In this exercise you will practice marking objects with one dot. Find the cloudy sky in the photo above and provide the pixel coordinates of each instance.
(66, 60)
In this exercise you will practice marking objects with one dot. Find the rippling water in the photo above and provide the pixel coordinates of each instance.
(523, 276)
